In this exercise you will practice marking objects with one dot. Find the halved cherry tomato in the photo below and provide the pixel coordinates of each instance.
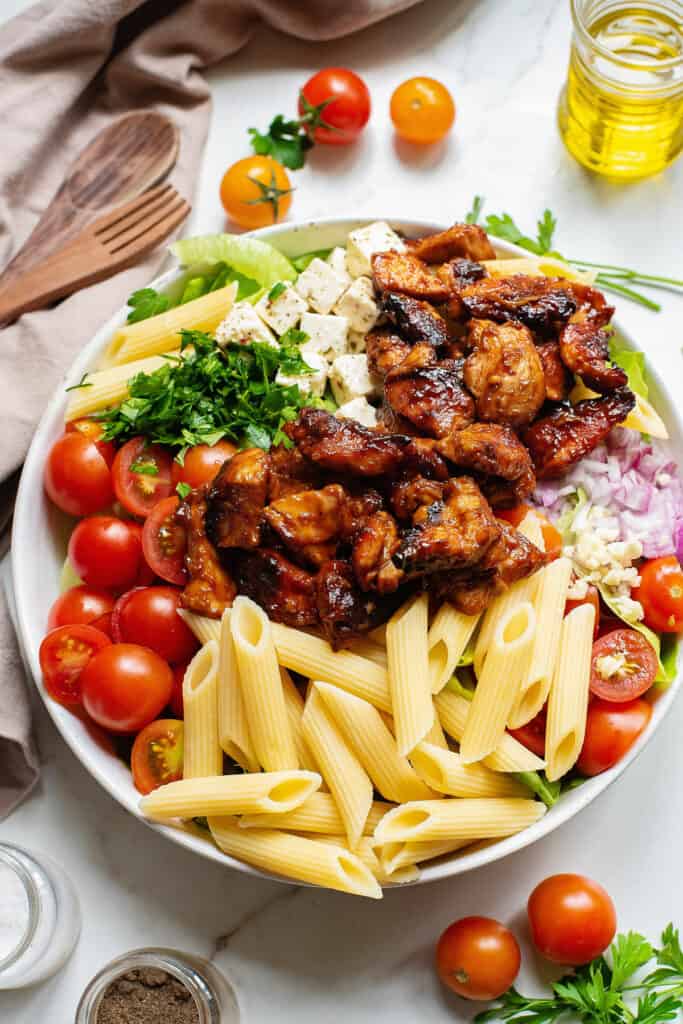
(63, 655)
(201, 463)
(572, 919)
(164, 542)
(87, 605)
(176, 703)
(532, 735)
(422, 110)
(661, 594)
(478, 958)
(552, 538)
(106, 552)
(93, 431)
(611, 731)
(342, 100)
(592, 597)
(77, 478)
(256, 191)
(125, 686)
(635, 666)
(149, 616)
(142, 476)
(157, 754)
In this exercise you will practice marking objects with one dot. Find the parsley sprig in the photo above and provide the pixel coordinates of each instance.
(288, 141)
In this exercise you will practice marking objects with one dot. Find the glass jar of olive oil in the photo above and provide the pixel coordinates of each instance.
(621, 110)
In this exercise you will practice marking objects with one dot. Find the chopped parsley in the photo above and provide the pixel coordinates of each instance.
(276, 291)
(147, 302)
(182, 490)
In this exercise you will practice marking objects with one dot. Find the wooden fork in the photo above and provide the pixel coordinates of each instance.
(106, 246)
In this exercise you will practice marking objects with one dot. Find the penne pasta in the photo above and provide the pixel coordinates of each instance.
(396, 857)
(104, 388)
(536, 266)
(252, 793)
(366, 851)
(458, 819)
(318, 814)
(497, 611)
(448, 636)
(203, 754)
(509, 756)
(294, 704)
(202, 626)
(530, 527)
(233, 729)
(365, 648)
(568, 700)
(445, 772)
(436, 734)
(409, 682)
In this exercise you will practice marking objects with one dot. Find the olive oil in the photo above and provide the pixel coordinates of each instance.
(621, 110)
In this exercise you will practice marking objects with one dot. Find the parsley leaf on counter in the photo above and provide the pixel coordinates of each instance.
(286, 141)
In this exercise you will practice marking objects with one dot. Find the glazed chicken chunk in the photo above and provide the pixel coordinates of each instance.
(210, 590)
(375, 547)
(236, 500)
(345, 611)
(404, 273)
(384, 350)
(429, 393)
(466, 240)
(285, 591)
(542, 303)
(585, 351)
(345, 446)
(415, 320)
(308, 522)
(504, 373)
(558, 379)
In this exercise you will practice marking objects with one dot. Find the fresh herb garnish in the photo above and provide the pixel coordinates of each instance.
(147, 302)
(144, 467)
(288, 141)
(276, 291)
(83, 383)
(182, 490)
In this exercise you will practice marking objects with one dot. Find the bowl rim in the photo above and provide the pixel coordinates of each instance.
(192, 837)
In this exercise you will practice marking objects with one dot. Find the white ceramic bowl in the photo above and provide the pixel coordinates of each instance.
(39, 546)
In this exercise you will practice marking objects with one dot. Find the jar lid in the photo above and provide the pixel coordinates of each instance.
(19, 908)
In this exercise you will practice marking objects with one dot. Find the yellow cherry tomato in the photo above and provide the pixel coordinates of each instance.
(422, 110)
(256, 192)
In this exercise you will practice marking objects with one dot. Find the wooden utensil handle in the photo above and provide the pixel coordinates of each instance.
(60, 275)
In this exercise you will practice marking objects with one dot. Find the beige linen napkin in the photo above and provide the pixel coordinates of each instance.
(67, 68)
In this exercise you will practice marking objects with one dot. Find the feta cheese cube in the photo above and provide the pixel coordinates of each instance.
(282, 312)
(309, 383)
(326, 334)
(244, 326)
(350, 378)
(628, 609)
(355, 342)
(363, 243)
(337, 260)
(358, 305)
(358, 409)
(320, 286)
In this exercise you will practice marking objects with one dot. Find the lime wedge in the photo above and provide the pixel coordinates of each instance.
(251, 257)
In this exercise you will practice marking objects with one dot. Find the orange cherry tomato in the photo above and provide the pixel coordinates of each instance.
(478, 958)
(661, 594)
(77, 477)
(157, 754)
(337, 101)
(63, 655)
(201, 463)
(572, 919)
(142, 475)
(637, 670)
(592, 597)
(125, 686)
(611, 731)
(422, 110)
(552, 538)
(256, 192)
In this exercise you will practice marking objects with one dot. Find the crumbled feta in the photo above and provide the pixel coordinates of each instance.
(320, 286)
(628, 609)
(350, 378)
(244, 326)
(326, 334)
(358, 409)
(358, 305)
(337, 260)
(307, 383)
(608, 665)
(363, 243)
(355, 342)
(283, 312)
(602, 559)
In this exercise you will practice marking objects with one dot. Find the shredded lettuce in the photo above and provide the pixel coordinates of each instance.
(251, 257)
(549, 792)
(456, 685)
(634, 365)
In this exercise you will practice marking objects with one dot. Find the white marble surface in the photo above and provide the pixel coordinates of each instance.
(299, 954)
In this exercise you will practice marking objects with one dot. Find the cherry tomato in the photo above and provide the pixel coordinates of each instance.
(201, 463)
(93, 431)
(63, 655)
(478, 958)
(422, 110)
(592, 597)
(572, 919)
(106, 552)
(157, 754)
(256, 192)
(532, 735)
(142, 476)
(83, 604)
(611, 731)
(552, 538)
(77, 478)
(342, 100)
(125, 686)
(661, 594)
(164, 542)
(636, 670)
(176, 703)
(149, 616)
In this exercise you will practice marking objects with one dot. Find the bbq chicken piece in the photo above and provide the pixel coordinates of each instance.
(289, 473)
(457, 274)
(284, 590)
(466, 240)
(585, 351)
(504, 373)
(236, 500)
(559, 440)
(429, 393)
(210, 589)
(356, 510)
(542, 303)
(500, 460)
(344, 610)
(404, 273)
(375, 546)
(421, 456)
(308, 522)
(591, 305)
(415, 320)
(346, 446)
(558, 379)
(409, 494)
(384, 351)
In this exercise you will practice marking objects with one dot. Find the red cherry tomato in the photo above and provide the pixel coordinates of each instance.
(592, 597)
(201, 463)
(142, 476)
(164, 542)
(125, 687)
(83, 604)
(77, 478)
(346, 107)
(157, 755)
(478, 958)
(661, 594)
(149, 616)
(532, 735)
(572, 919)
(611, 731)
(176, 703)
(552, 538)
(106, 552)
(63, 655)
(636, 669)
(93, 431)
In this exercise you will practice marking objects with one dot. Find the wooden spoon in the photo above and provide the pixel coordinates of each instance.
(121, 162)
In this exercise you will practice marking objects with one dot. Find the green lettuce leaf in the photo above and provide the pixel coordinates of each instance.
(634, 365)
(253, 258)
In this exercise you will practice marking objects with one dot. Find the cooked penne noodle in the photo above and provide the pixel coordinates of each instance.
(294, 703)
(233, 729)
(509, 756)
(497, 611)
(318, 814)
(365, 648)
(568, 700)
(446, 772)
(367, 853)
(398, 856)
(409, 683)
(531, 528)
(498, 685)
(370, 740)
(346, 778)
(436, 735)
(202, 626)
(296, 857)
(203, 754)
(104, 388)
(458, 819)
(448, 636)
(535, 266)
(261, 685)
(250, 793)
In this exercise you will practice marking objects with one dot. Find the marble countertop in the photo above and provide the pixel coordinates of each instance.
(305, 955)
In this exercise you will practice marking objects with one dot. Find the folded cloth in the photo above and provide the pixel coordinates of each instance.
(67, 69)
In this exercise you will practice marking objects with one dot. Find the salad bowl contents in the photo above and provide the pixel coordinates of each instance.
(376, 577)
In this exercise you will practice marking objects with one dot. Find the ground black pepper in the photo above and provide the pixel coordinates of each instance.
(147, 996)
